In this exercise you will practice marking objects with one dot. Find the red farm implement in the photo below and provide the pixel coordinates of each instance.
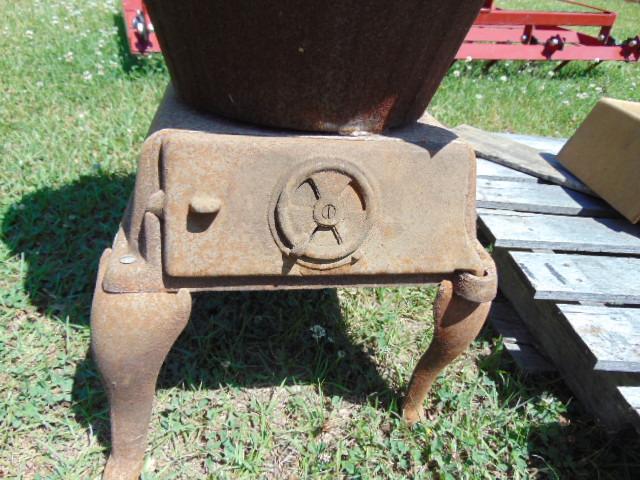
(497, 34)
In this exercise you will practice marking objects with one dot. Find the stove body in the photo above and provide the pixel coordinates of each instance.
(220, 205)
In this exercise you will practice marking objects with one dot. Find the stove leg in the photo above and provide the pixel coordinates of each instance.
(460, 311)
(131, 335)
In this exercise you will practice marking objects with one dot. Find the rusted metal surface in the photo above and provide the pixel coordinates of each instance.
(460, 311)
(323, 66)
(131, 335)
(267, 195)
(220, 205)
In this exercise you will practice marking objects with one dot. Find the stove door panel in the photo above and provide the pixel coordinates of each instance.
(243, 206)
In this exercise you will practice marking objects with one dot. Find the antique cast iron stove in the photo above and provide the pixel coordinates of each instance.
(223, 205)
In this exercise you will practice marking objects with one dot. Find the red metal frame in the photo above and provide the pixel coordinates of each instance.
(596, 17)
(139, 42)
(496, 35)
(536, 35)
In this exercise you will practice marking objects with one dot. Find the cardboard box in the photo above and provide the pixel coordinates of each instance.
(605, 154)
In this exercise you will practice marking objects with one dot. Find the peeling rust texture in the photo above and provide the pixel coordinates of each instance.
(347, 65)
(223, 205)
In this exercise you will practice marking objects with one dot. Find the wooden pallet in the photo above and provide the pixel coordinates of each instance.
(520, 156)
(570, 266)
(517, 339)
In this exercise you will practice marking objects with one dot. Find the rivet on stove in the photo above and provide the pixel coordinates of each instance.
(127, 259)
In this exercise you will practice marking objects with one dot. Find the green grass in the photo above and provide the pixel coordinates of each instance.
(248, 392)
(532, 98)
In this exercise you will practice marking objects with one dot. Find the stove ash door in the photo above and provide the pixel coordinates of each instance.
(303, 208)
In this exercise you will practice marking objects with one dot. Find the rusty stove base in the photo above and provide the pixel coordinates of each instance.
(220, 205)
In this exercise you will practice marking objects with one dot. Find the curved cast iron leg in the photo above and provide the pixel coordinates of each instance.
(457, 323)
(131, 335)
(460, 311)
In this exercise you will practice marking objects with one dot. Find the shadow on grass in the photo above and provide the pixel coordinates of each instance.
(244, 339)
(562, 443)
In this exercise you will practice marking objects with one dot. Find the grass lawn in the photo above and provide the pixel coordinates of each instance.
(250, 391)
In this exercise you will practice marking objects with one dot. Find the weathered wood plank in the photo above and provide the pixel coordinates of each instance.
(494, 171)
(612, 335)
(517, 339)
(596, 390)
(520, 157)
(564, 277)
(632, 396)
(568, 234)
(538, 198)
(541, 144)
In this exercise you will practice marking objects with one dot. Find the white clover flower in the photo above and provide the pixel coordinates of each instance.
(39, 84)
(325, 457)
(29, 34)
(225, 364)
(456, 73)
(551, 73)
(469, 59)
(479, 96)
(317, 332)
(86, 76)
(68, 57)
(582, 95)
(566, 102)
(55, 20)
(503, 78)
(341, 354)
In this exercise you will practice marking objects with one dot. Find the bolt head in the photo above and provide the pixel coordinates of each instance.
(127, 259)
